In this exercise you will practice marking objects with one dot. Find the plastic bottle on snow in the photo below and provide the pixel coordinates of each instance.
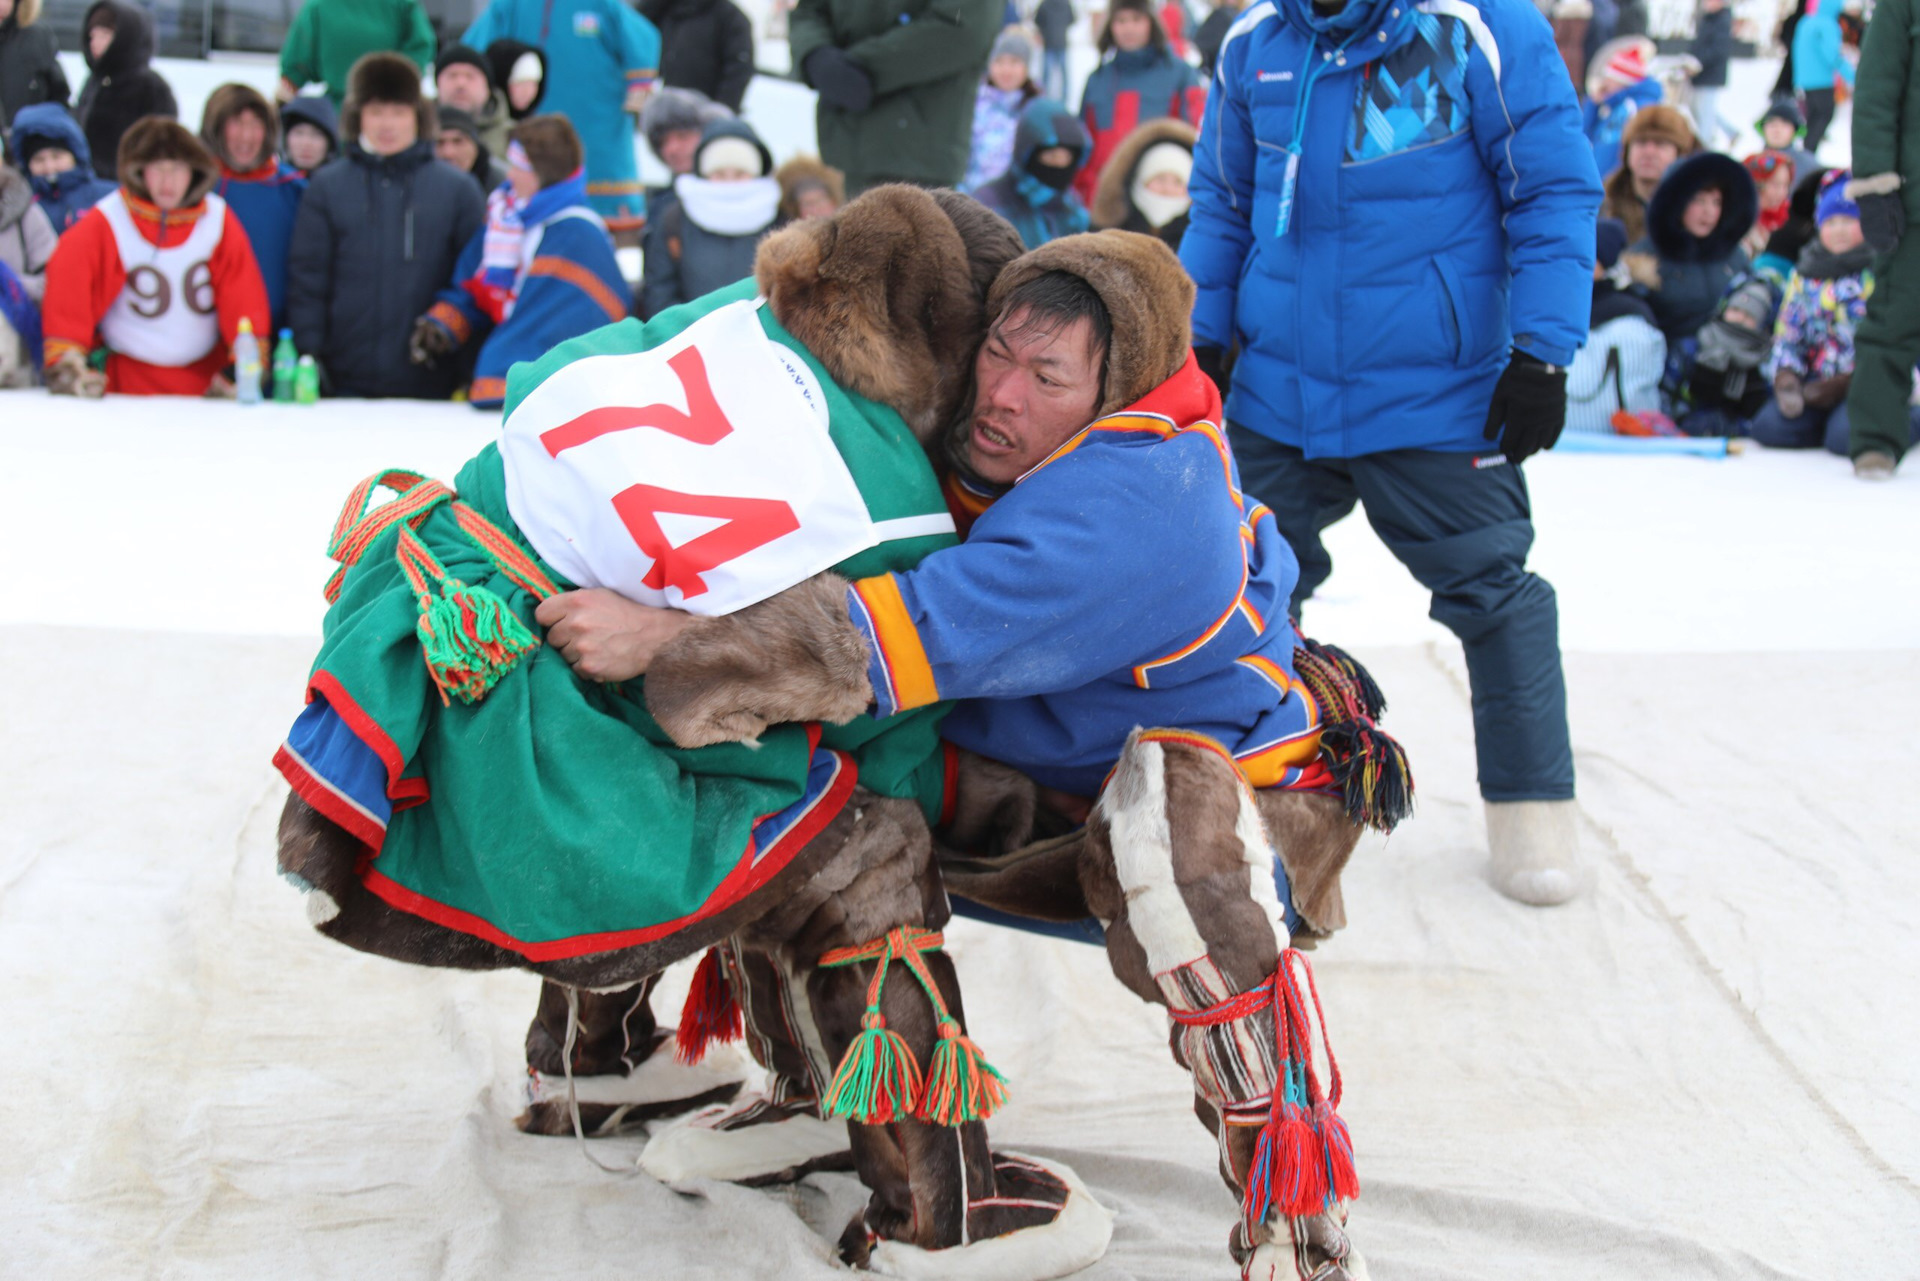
(246, 364)
(285, 360)
(306, 381)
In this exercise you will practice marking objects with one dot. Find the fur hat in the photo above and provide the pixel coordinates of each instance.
(551, 145)
(1148, 297)
(1158, 37)
(1109, 208)
(1662, 123)
(803, 173)
(390, 78)
(157, 138)
(890, 295)
(673, 110)
(465, 55)
(228, 101)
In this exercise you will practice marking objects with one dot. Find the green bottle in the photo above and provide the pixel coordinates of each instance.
(285, 360)
(306, 381)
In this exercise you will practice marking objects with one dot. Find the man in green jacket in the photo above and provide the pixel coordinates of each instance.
(896, 80)
(328, 37)
(1886, 164)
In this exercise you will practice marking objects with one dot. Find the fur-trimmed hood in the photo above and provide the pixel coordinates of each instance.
(890, 294)
(156, 138)
(132, 44)
(228, 101)
(802, 172)
(1148, 296)
(1112, 198)
(386, 77)
(1740, 206)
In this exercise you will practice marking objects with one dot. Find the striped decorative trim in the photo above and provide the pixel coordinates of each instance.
(58, 347)
(1269, 766)
(1142, 675)
(614, 187)
(487, 391)
(909, 676)
(445, 313)
(557, 268)
(1269, 669)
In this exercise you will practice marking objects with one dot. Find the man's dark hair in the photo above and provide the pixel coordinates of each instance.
(1052, 302)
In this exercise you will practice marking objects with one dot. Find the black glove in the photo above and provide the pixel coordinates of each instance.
(1213, 363)
(1530, 402)
(840, 81)
(1883, 220)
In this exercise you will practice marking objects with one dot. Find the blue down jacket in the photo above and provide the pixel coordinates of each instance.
(1442, 212)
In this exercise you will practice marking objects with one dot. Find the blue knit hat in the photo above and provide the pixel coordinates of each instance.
(1834, 203)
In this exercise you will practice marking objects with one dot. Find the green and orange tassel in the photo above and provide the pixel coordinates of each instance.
(878, 1077)
(961, 1085)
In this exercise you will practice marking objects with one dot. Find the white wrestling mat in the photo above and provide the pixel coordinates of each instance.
(1702, 1069)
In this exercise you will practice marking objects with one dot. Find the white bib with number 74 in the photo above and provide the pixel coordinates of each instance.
(698, 475)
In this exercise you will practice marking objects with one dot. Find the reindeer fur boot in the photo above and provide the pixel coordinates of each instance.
(1535, 850)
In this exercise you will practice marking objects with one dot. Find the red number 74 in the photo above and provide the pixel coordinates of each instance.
(750, 522)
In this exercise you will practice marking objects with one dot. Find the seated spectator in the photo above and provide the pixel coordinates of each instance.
(1145, 186)
(1139, 79)
(521, 70)
(458, 143)
(242, 130)
(1772, 175)
(1691, 251)
(1811, 364)
(1654, 140)
(707, 237)
(29, 66)
(1796, 233)
(312, 129)
(541, 271)
(463, 80)
(329, 37)
(809, 188)
(1036, 194)
(1625, 90)
(377, 238)
(59, 164)
(1621, 366)
(1003, 94)
(159, 272)
(27, 236)
(122, 86)
(1780, 128)
(1725, 385)
(705, 45)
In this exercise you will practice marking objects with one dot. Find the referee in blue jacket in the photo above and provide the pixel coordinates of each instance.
(1392, 233)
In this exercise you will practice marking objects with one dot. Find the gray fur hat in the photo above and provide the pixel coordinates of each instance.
(669, 110)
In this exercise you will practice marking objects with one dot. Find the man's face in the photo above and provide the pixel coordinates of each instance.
(50, 162)
(306, 145)
(167, 182)
(1033, 389)
(1702, 214)
(462, 85)
(1778, 133)
(676, 149)
(1131, 30)
(456, 149)
(244, 135)
(1649, 158)
(389, 127)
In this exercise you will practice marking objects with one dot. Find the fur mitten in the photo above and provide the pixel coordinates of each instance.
(69, 375)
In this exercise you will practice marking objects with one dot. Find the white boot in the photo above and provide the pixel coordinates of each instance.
(1535, 851)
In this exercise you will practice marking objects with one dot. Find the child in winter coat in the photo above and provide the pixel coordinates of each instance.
(1811, 364)
(1145, 186)
(312, 134)
(29, 71)
(672, 124)
(706, 239)
(1780, 128)
(59, 164)
(1003, 94)
(1035, 194)
(1691, 252)
(1726, 387)
(540, 272)
(1621, 365)
(328, 36)
(27, 236)
(242, 130)
(122, 85)
(1139, 80)
(1625, 88)
(809, 188)
(1797, 230)
(160, 272)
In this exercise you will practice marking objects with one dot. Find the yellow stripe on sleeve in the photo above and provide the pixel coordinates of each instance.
(900, 647)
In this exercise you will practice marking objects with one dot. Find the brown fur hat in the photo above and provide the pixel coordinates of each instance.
(552, 146)
(802, 172)
(890, 294)
(157, 138)
(228, 101)
(1668, 124)
(385, 77)
(1148, 296)
(1111, 198)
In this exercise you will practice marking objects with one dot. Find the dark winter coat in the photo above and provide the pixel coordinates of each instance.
(1691, 274)
(1212, 34)
(376, 239)
(316, 111)
(1126, 91)
(1886, 101)
(122, 86)
(924, 58)
(1713, 46)
(705, 45)
(66, 197)
(29, 72)
(1054, 18)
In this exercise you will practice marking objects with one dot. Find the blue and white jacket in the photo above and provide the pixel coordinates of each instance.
(1384, 203)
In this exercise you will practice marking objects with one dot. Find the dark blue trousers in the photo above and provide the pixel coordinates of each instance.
(1462, 524)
